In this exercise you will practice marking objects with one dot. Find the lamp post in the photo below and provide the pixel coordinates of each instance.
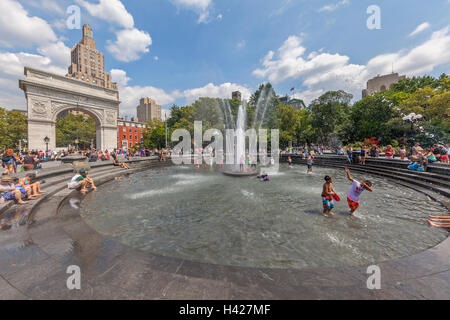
(76, 143)
(166, 134)
(46, 140)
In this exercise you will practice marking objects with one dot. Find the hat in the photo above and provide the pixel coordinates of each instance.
(7, 179)
(82, 171)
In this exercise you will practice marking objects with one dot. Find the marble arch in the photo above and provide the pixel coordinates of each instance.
(49, 94)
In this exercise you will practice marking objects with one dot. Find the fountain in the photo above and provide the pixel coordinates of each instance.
(237, 143)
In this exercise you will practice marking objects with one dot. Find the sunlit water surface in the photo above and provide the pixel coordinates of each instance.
(202, 215)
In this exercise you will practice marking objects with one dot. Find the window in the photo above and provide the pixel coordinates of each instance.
(131, 130)
(131, 137)
(131, 144)
(124, 136)
(135, 137)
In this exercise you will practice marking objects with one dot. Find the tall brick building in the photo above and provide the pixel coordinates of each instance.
(87, 63)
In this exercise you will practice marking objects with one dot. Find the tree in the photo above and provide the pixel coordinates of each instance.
(155, 136)
(429, 102)
(13, 128)
(295, 125)
(73, 127)
(371, 116)
(330, 114)
(411, 85)
(208, 111)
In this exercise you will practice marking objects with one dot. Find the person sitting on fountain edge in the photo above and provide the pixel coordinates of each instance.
(327, 199)
(81, 181)
(355, 192)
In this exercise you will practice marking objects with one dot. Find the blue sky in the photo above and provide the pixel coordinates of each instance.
(178, 50)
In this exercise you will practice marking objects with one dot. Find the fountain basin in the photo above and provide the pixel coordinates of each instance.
(240, 174)
(203, 216)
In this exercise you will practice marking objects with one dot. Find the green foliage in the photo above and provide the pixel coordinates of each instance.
(295, 125)
(330, 115)
(13, 127)
(73, 127)
(370, 117)
(411, 85)
(155, 136)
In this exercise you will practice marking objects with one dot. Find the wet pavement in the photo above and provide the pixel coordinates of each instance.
(34, 259)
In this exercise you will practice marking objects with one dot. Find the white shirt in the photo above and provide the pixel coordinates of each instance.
(75, 181)
(355, 192)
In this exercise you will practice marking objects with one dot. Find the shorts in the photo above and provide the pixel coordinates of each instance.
(444, 157)
(309, 166)
(28, 167)
(352, 204)
(328, 202)
(9, 196)
(75, 186)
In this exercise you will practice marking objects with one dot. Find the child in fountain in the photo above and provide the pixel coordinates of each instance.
(327, 199)
(309, 163)
(355, 192)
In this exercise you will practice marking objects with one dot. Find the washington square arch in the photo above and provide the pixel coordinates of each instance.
(49, 94)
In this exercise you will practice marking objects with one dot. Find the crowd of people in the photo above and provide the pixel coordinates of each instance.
(418, 158)
(20, 190)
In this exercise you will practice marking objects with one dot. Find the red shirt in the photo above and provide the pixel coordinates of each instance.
(389, 152)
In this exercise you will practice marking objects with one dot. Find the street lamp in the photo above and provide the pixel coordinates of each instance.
(166, 134)
(46, 140)
(76, 143)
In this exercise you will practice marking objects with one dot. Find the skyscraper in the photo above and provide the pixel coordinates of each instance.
(88, 64)
(148, 110)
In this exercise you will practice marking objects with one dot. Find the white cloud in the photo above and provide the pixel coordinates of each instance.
(48, 5)
(420, 28)
(130, 95)
(119, 76)
(281, 9)
(130, 44)
(21, 29)
(210, 90)
(109, 10)
(11, 69)
(58, 53)
(219, 17)
(201, 7)
(421, 59)
(321, 71)
(12, 64)
(156, 58)
(18, 28)
(335, 6)
(241, 44)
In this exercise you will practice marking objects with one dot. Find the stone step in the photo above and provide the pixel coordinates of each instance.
(59, 184)
(413, 181)
(429, 174)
